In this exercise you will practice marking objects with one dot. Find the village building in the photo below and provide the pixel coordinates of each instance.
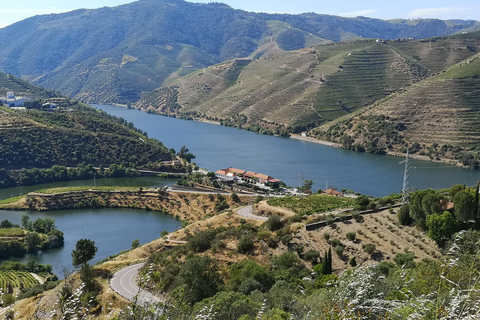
(333, 192)
(229, 174)
(233, 174)
(12, 101)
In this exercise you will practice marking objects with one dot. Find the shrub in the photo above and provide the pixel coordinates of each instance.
(335, 242)
(245, 244)
(274, 223)
(339, 250)
(202, 240)
(235, 197)
(286, 239)
(311, 256)
(326, 235)
(357, 216)
(405, 259)
(351, 236)
(272, 243)
(264, 235)
(353, 262)
(369, 248)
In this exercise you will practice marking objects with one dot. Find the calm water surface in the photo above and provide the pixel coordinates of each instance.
(113, 230)
(218, 147)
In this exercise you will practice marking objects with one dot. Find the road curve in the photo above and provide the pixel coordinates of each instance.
(247, 213)
(124, 283)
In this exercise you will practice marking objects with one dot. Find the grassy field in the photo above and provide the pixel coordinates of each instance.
(12, 232)
(83, 188)
(315, 203)
(10, 200)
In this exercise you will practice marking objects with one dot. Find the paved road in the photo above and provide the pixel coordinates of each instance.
(247, 213)
(124, 283)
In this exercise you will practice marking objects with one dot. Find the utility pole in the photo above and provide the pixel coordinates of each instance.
(326, 184)
(300, 180)
(406, 182)
(95, 180)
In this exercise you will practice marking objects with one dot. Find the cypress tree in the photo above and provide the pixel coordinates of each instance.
(330, 268)
(325, 264)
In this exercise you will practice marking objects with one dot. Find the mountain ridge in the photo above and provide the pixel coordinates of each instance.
(81, 53)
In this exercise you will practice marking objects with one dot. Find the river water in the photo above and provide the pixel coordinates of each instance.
(112, 229)
(218, 147)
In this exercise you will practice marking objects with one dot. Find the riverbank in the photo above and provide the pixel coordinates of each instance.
(310, 139)
(183, 205)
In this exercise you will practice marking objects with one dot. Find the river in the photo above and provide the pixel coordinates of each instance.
(218, 147)
(112, 229)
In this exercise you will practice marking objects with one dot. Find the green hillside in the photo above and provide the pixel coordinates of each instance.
(71, 135)
(296, 90)
(113, 54)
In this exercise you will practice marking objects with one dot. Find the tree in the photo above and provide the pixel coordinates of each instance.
(85, 250)
(441, 227)
(362, 202)
(33, 241)
(307, 185)
(199, 278)
(274, 222)
(403, 215)
(464, 204)
(424, 203)
(26, 223)
(135, 244)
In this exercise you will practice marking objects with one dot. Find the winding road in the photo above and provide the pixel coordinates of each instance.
(124, 283)
(247, 213)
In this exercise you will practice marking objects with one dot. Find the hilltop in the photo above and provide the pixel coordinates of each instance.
(111, 55)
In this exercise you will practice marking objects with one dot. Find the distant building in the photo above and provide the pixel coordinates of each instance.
(333, 192)
(12, 101)
(229, 173)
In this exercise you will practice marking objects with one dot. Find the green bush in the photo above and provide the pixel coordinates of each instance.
(370, 248)
(351, 236)
(405, 259)
(326, 235)
(335, 242)
(274, 223)
(353, 262)
(339, 250)
(245, 244)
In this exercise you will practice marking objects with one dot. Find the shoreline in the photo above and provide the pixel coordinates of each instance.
(313, 140)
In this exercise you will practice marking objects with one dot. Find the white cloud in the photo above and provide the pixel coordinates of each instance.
(358, 13)
(433, 12)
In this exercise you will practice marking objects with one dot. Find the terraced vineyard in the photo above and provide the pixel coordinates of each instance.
(309, 87)
(315, 203)
(17, 279)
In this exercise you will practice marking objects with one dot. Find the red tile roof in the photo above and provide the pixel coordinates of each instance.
(333, 192)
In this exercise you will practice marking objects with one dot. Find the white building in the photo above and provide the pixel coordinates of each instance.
(11, 101)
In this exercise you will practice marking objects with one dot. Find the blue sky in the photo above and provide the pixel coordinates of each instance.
(17, 10)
